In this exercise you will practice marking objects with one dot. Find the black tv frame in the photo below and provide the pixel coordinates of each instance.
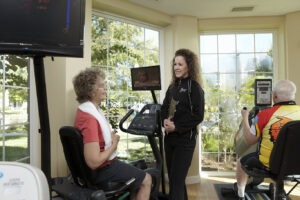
(49, 28)
(12, 45)
(154, 78)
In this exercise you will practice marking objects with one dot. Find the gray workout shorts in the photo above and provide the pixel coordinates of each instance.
(118, 171)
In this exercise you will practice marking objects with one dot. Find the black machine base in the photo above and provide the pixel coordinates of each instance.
(259, 192)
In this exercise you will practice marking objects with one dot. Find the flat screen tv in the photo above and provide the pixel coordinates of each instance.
(146, 78)
(47, 28)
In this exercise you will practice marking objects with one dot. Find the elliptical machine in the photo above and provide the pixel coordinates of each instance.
(147, 122)
(263, 100)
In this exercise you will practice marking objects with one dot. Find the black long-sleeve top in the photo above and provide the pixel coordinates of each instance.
(188, 113)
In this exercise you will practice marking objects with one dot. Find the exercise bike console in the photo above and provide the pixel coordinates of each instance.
(145, 122)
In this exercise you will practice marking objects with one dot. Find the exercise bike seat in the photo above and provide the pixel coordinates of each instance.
(72, 142)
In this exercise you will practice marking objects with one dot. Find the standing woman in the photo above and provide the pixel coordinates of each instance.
(182, 111)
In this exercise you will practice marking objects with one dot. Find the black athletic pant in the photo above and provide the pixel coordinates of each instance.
(179, 149)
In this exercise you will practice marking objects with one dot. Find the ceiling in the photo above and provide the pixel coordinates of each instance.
(203, 9)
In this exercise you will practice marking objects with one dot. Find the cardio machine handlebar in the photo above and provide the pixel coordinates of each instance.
(122, 121)
(146, 122)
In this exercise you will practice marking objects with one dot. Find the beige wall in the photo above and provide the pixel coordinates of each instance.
(179, 32)
(292, 39)
(123, 8)
(182, 33)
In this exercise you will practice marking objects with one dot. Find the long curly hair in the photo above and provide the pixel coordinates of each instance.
(85, 83)
(192, 62)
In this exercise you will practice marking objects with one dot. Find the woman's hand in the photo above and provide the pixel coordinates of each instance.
(115, 140)
(169, 125)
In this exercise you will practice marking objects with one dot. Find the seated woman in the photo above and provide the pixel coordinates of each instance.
(100, 142)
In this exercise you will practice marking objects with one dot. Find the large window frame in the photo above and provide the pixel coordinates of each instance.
(15, 108)
(216, 160)
(120, 97)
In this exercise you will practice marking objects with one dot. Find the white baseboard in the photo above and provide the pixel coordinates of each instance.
(192, 179)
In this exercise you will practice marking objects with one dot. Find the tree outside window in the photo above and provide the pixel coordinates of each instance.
(14, 110)
(230, 64)
(117, 46)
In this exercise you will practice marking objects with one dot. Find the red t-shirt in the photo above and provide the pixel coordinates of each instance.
(90, 130)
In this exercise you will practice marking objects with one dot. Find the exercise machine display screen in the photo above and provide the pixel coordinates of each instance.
(146, 78)
(145, 122)
(263, 92)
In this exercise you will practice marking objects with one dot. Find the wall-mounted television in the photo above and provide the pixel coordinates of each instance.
(146, 78)
(47, 28)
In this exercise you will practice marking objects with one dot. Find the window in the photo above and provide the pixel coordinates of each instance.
(230, 64)
(117, 46)
(14, 108)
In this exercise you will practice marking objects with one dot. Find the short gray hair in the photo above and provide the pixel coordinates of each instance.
(285, 90)
(85, 83)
